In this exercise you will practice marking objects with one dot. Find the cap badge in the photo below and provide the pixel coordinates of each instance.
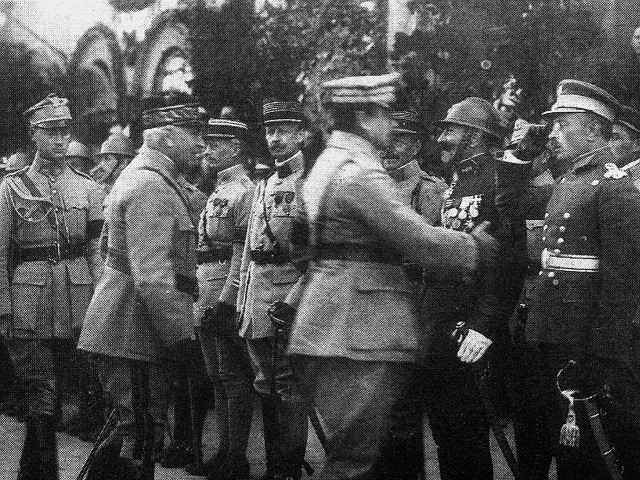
(614, 172)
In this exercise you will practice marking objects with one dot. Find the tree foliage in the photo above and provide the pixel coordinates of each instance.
(25, 79)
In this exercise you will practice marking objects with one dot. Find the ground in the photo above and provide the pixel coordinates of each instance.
(73, 452)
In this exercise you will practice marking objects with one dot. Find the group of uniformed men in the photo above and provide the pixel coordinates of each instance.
(356, 291)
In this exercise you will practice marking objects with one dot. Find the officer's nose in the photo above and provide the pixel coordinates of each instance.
(442, 138)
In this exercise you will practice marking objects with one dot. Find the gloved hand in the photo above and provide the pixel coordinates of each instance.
(529, 140)
(473, 347)
(282, 315)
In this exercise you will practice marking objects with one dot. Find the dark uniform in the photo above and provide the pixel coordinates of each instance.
(267, 274)
(142, 309)
(50, 218)
(461, 428)
(584, 305)
(357, 327)
(222, 232)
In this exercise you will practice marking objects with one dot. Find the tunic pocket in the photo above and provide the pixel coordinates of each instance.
(27, 292)
(80, 292)
(77, 215)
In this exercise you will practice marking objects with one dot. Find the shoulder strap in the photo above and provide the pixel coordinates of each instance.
(415, 196)
(175, 188)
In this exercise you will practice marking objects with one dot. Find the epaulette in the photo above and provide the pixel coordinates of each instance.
(614, 172)
(82, 174)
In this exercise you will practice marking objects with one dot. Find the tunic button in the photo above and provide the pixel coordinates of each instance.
(545, 227)
(551, 274)
(556, 251)
(540, 273)
(583, 238)
(52, 179)
(546, 215)
(563, 228)
(563, 180)
(54, 191)
(561, 240)
(555, 281)
(567, 215)
(544, 239)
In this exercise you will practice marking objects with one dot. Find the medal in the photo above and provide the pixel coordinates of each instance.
(473, 212)
(456, 224)
(462, 215)
(453, 212)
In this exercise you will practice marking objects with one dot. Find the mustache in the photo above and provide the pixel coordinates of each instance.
(447, 147)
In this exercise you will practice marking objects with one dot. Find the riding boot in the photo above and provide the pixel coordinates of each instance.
(292, 436)
(178, 454)
(200, 405)
(240, 410)
(270, 425)
(39, 459)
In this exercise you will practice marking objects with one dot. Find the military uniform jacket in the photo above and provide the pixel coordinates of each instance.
(587, 291)
(468, 202)
(223, 228)
(262, 284)
(58, 215)
(144, 300)
(365, 309)
(421, 191)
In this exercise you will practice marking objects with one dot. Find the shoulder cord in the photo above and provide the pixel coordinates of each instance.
(267, 228)
(415, 196)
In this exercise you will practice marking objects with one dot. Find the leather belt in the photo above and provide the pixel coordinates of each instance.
(49, 253)
(214, 255)
(570, 263)
(262, 257)
(357, 253)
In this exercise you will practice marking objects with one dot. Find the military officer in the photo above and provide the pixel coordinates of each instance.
(471, 139)
(356, 330)
(221, 236)
(140, 319)
(115, 154)
(78, 156)
(578, 311)
(625, 142)
(403, 453)
(267, 275)
(51, 217)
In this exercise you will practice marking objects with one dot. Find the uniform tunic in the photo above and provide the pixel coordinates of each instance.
(421, 191)
(365, 310)
(144, 300)
(221, 235)
(60, 213)
(263, 284)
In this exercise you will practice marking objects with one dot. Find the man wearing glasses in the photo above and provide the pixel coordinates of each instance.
(50, 219)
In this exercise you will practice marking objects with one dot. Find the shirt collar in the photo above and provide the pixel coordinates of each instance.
(155, 159)
(406, 171)
(591, 159)
(47, 168)
(230, 174)
(290, 165)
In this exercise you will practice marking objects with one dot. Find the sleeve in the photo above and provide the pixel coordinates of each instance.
(369, 197)
(6, 249)
(619, 214)
(151, 227)
(244, 264)
(241, 211)
(95, 222)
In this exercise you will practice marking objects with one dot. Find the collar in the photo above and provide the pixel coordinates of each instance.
(355, 144)
(594, 158)
(153, 158)
(46, 167)
(471, 165)
(230, 174)
(409, 170)
(290, 165)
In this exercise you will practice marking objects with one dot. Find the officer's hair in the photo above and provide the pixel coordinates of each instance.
(344, 116)
(605, 126)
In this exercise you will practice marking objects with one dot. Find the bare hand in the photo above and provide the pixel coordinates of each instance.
(473, 347)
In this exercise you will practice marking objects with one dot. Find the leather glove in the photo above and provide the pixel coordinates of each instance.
(219, 320)
(529, 140)
(282, 315)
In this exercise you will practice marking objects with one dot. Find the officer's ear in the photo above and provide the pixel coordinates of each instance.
(32, 132)
(237, 148)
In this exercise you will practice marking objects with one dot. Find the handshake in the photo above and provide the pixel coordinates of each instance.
(220, 320)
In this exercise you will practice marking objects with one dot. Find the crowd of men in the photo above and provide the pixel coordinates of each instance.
(352, 292)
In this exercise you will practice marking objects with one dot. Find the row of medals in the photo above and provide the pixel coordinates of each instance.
(465, 213)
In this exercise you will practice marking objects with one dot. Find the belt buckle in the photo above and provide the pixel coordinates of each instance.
(53, 256)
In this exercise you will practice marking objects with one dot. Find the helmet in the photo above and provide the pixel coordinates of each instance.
(118, 144)
(77, 149)
(476, 113)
